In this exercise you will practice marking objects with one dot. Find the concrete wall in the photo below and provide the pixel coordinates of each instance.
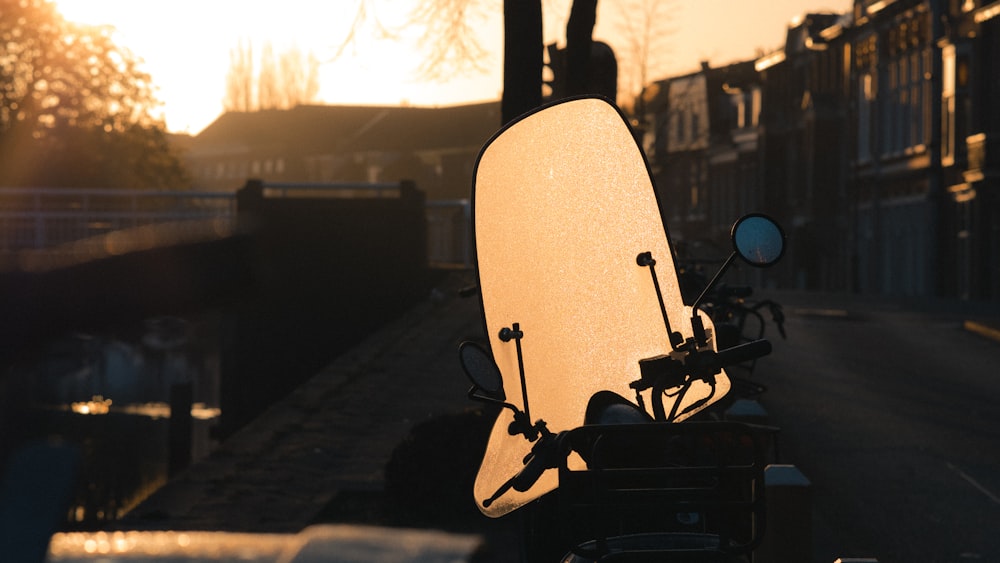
(329, 269)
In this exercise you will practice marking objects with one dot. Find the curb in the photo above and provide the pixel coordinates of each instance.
(983, 330)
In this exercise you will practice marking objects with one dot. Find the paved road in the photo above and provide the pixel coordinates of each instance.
(891, 414)
(894, 417)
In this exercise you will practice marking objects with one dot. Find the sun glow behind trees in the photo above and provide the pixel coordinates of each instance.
(186, 44)
(75, 106)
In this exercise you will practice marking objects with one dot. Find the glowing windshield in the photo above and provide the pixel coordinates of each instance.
(563, 206)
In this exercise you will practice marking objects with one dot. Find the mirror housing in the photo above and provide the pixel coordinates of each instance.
(482, 371)
(758, 240)
(487, 386)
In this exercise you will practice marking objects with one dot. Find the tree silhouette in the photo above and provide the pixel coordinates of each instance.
(452, 45)
(646, 29)
(270, 81)
(449, 38)
(75, 109)
(240, 79)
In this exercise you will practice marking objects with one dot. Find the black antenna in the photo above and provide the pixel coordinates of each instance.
(645, 259)
(515, 333)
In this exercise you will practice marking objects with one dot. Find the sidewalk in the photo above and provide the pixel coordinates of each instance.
(981, 318)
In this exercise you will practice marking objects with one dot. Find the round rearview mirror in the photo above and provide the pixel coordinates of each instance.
(758, 240)
(481, 369)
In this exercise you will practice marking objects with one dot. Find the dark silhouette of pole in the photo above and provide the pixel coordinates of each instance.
(522, 61)
(579, 32)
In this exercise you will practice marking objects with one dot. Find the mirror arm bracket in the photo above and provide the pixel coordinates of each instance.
(711, 284)
(516, 334)
(697, 326)
(646, 260)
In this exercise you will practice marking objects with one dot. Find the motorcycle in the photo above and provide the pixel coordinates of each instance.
(738, 319)
(582, 307)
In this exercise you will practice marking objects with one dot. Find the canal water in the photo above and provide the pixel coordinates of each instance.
(109, 396)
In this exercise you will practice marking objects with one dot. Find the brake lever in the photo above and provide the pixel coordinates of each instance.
(544, 455)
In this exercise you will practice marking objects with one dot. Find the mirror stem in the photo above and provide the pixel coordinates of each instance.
(711, 284)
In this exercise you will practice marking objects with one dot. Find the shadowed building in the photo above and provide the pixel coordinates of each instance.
(434, 147)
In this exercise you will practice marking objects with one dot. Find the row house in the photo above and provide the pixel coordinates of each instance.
(700, 135)
(872, 136)
(434, 147)
(970, 148)
(764, 135)
(802, 149)
(924, 77)
(895, 156)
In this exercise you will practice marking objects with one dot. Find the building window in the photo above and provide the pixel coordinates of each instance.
(948, 105)
(908, 77)
(866, 96)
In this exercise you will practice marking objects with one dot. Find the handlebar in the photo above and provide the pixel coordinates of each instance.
(661, 373)
(545, 454)
(743, 352)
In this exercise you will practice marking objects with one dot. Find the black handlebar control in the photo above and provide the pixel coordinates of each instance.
(743, 352)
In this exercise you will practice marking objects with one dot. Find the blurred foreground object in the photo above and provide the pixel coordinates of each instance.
(339, 543)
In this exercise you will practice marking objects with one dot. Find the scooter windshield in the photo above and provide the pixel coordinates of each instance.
(563, 206)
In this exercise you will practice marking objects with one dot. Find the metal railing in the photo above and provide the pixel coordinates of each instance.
(45, 218)
(39, 218)
(331, 190)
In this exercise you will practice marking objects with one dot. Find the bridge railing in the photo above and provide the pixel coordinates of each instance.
(45, 218)
(39, 218)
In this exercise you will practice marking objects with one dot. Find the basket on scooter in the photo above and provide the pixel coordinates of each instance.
(693, 491)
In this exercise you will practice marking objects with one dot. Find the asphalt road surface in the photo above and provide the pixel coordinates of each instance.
(894, 417)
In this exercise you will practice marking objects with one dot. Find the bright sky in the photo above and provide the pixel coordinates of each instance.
(185, 44)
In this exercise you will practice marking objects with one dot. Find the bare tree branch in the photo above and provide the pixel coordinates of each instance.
(240, 78)
(273, 81)
(361, 18)
(450, 37)
(645, 26)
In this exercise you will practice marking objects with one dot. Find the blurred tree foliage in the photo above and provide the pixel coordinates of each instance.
(75, 109)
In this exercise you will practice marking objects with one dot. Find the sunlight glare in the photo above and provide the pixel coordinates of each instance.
(185, 46)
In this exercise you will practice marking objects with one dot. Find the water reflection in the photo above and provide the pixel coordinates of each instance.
(98, 405)
(169, 546)
(109, 395)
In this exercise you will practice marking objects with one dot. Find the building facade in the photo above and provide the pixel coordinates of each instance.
(872, 136)
(434, 147)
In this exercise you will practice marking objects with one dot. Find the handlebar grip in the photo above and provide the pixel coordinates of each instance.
(529, 475)
(743, 352)
(524, 480)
